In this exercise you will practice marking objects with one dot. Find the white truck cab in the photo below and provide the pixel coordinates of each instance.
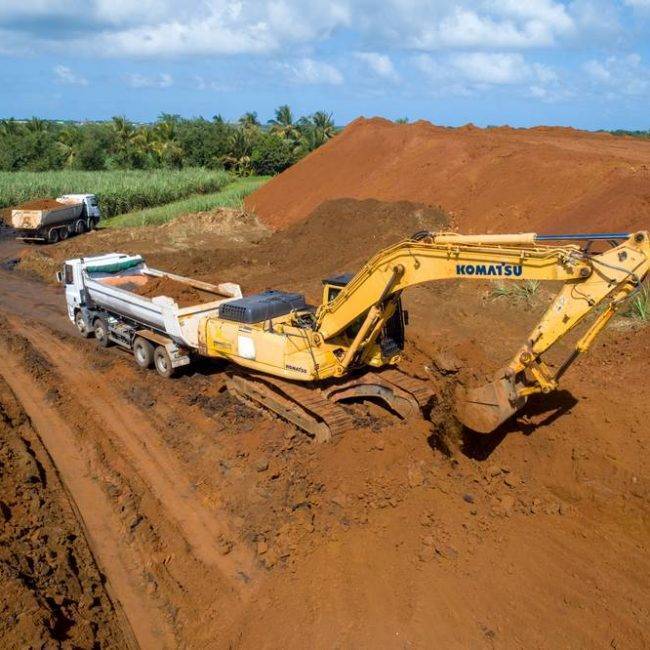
(91, 205)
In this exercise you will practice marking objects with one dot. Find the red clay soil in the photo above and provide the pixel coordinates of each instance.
(490, 180)
(41, 204)
(183, 294)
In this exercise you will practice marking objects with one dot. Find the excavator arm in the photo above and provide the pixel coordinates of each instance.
(590, 280)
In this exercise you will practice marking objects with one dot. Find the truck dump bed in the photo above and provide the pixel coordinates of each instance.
(113, 281)
(43, 212)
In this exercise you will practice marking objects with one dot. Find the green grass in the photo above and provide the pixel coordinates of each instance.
(231, 196)
(638, 307)
(525, 292)
(118, 191)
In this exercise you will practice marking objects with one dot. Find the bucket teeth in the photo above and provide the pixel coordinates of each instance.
(486, 408)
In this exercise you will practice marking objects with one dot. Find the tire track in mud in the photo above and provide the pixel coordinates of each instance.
(201, 528)
(174, 542)
(97, 518)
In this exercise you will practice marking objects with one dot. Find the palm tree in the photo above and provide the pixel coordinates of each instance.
(68, 141)
(36, 125)
(283, 124)
(249, 119)
(316, 130)
(240, 148)
(165, 142)
(324, 123)
(124, 130)
(10, 127)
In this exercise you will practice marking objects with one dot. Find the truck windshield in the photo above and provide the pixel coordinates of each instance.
(93, 202)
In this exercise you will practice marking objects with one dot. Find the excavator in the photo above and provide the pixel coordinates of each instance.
(302, 362)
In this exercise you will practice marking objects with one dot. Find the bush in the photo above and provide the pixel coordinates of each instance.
(271, 155)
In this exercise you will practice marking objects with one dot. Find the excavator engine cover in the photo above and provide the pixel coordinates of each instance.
(484, 409)
(261, 306)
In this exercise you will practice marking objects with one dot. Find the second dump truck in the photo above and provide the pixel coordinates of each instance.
(52, 220)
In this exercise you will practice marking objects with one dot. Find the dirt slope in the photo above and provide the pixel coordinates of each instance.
(494, 180)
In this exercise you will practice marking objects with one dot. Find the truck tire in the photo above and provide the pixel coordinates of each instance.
(52, 236)
(93, 222)
(162, 362)
(80, 322)
(80, 227)
(143, 352)
(63, 233)
(101, 332)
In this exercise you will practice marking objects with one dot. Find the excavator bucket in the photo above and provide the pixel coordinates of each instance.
(484, 409)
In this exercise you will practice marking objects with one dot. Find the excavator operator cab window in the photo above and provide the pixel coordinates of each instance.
(332, 286)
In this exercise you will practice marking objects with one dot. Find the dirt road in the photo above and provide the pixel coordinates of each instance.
(215, 527)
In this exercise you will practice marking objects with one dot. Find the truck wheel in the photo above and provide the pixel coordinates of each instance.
(80, 322)
(162, 362)
(53, 236)
(101, 332)
(79, 227)
(143, 352)
(93, 222)
(63, 233)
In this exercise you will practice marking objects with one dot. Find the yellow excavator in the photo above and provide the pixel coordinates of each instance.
(301, 362)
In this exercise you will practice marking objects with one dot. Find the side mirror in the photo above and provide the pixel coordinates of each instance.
(59, 277)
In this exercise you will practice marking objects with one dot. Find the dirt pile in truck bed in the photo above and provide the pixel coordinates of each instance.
(491, 180)
(183, 294)
(41, 204)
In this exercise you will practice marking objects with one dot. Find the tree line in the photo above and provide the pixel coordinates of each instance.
(245, 147)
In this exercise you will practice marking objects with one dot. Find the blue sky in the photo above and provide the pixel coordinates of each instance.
(583, 63)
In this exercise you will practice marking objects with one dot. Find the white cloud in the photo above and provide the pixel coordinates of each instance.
(481, 24)
(220, 27)
(162, 80)
(380, 64)
(65, 75)
(626, 75)
(201, 83)
(310, 71)
(469, 73)
(154, 28)
(498, 69)
(637, 4)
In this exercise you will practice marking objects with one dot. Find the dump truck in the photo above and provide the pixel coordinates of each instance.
(301, 362)
(102, 300)
(52, 220)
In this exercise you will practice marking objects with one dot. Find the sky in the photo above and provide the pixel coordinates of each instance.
(581, 63)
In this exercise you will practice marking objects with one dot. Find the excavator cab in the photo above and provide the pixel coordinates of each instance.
(391, 338)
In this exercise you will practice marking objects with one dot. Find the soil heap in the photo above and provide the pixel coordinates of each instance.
(490, 180)
(41, 204)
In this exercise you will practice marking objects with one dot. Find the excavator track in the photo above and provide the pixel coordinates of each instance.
(317, 410)
(421, 391)
(306, 408)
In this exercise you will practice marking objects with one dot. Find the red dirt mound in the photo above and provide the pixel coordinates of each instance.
(493, 180)
(183, 294)
(41, 204)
